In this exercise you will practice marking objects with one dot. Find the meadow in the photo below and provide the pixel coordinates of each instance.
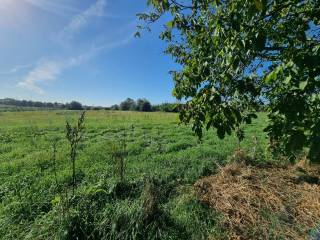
(154, 200)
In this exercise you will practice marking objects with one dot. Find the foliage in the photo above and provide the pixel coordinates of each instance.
(236, 54)
(74, 105)
(128, 104)
(143, 105)
(31, 104)
(167, 107)
(115, 107)
(9, 104)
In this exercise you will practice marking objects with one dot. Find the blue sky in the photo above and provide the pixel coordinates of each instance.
(84, 50)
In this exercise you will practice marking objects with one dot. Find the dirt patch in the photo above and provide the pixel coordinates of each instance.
(264, 203)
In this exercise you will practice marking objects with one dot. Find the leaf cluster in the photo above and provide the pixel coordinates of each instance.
(238, 55)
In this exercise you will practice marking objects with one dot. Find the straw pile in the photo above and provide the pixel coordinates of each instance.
(264, 203)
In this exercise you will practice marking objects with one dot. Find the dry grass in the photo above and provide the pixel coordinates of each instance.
(264, 203)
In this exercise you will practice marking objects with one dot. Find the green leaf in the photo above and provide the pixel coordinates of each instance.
(303, 84)
(170, 24)
(288, 79)
(259, 5)
(271, 76)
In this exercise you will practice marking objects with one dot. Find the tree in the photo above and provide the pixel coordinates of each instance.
(128, 104)
(234, 54)
(50, 105)
(74, 106)
(146, 107)
(143, 105)
(115, 107)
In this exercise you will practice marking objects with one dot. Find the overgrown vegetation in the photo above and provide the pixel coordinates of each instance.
(134, 176)
(154, 160)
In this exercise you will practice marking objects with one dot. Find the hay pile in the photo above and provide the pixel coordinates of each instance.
(264, 203)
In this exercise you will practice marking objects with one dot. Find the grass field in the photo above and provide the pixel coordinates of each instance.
(156, 201)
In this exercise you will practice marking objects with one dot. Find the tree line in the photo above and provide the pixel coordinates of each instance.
(73, 105)
(144, 105)
(141, 104)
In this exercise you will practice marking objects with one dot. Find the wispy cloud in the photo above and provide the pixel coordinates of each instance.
(83, 19)
(46, 71)
(49, 70)
(17, 68)
(56, 7)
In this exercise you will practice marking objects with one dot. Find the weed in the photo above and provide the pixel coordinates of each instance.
(118, 154)
(74, 136)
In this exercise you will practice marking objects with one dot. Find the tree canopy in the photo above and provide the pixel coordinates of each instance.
(74, 105)
(128, 104)
(237, 54)
(144, 105)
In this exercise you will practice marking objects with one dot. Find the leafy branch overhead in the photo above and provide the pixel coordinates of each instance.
(241, 54)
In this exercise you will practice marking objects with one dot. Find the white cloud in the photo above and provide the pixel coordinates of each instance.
(83, 19)
(46, 71)
(49, 70)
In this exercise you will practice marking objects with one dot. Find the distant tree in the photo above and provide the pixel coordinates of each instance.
(167, 107)
(140, 102)
(50, 105)
(115, 107)
(146, 107)
(128, 104)
(74, 105)
(143, 105)
(37, 104)
(24, 103)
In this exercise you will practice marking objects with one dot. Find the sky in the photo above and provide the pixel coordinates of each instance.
(83, 50)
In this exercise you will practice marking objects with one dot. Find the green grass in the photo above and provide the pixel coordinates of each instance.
(158, 149)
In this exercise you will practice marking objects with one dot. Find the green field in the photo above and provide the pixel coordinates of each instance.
(163, 160)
